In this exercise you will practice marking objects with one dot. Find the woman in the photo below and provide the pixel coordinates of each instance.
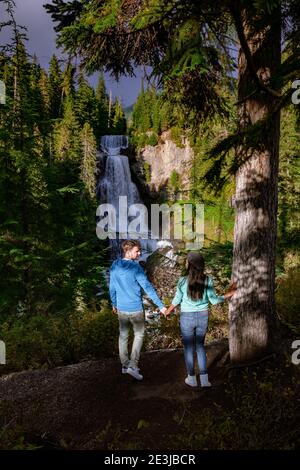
(194, 293)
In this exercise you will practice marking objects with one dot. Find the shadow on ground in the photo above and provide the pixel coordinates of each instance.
(90, 405)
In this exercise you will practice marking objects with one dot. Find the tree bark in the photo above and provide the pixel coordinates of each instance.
(252, 311)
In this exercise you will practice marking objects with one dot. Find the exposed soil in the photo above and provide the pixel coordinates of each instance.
(91, 405)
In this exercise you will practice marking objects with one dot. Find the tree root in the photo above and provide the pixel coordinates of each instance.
(249, 364)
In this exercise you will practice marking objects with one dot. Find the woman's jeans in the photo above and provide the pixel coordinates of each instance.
(193, 327)
(137, 320)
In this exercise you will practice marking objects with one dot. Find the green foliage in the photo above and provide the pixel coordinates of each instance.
(142, 110)
(218, 261)
(255, 407)
(68, 81)
(174, 182)
(43, 340)
(141, 140)
(54, 88)
(66, 134)
(102, 108)
(88, 160)
(219, 222)
(117, 120)
(189, 48)
(147, 172)
(110, 11)
(186, 48)
(288, 298)
(154, 112)
(289, 177)
(176, 136)
(47, 211)
(152, 115)
(86, 104)
(152, 139)
(12, 436)
(47, 241)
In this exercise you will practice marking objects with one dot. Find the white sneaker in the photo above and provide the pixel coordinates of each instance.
(134, 373)
(191, 380)
(124, 370)
(204, 380)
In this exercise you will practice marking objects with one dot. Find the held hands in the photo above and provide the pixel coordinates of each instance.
(165, 312)
(169, 311)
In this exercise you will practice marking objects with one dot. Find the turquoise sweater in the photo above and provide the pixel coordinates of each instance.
(189, 305)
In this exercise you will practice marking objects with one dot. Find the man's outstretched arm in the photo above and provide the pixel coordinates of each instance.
(149, 289)
(113, 293)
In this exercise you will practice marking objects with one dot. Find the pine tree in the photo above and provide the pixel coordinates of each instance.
(118, 121)
(67, 134)
(156, 116)
(68, 81)
(47, 224)
(36, 99)
(85, 104)
(44, 89)
(142, 111)
(102, 102)
(88, 162)
(55, 85)
(153, 111)
(138, 110)
(22, 182)
(289, 177)
(185, 46)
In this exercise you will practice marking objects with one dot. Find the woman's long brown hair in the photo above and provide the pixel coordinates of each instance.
(195, 276)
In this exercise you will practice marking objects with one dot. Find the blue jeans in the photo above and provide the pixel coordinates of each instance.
(193, 327)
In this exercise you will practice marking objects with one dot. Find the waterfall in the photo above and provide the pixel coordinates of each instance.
(117, 182)
(113, 144)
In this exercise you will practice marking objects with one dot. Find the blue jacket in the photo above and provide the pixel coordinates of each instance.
(126, 280)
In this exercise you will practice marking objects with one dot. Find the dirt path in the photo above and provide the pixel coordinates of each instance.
(91, 405)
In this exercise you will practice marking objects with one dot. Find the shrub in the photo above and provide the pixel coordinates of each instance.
(152, 139)
(174, 182)
(48, 341)
(147, 172)
(176, 136)
(288, 299)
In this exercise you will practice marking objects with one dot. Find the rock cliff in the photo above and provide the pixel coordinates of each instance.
(154, 165)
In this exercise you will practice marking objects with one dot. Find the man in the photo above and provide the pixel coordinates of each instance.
(127, 279)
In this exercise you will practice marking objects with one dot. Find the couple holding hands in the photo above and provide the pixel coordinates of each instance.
(194, 292)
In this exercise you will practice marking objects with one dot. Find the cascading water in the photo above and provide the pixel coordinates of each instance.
(116, 183)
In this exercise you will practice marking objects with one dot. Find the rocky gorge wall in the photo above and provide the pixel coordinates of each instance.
(154, 165)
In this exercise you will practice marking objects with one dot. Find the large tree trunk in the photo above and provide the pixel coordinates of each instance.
(252, 313)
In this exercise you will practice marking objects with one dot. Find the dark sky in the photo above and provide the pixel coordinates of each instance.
(41, 41)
